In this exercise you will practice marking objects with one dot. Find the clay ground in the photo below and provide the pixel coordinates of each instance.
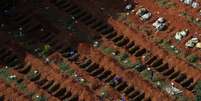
(49, 24)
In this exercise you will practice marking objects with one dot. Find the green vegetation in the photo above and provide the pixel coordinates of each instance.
(11, 79)
(183, 14)
(166, 3)
(154, 78)
(147, 74)
(180, 97)
(45, 50)
(32, 74)
(107, 50)
(4, 74)
(198, 65)
(197, 90)
(63, 66)
(70, 71)
(192, 58)
(191, 19)
(121, 16)
(121, 58)
(66, 69)
(138, 62)
(124, 60)
(170, 48)
(22, 87)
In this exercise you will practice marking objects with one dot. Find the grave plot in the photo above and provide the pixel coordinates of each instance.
(139, 53)
(10, 93)
(54, 45)
(29, 90)
(177, 43)
(113, 34)
(121, 50)
(138, 97)
(73, 58)
(47, 83)
(144, 68)
(157, 64)
(172, 40)
(35, 76)
(12, 60)
(108, 77)
(171, 44)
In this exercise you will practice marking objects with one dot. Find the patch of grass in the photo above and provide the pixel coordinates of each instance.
(31, 74)
(148, 75)
(45, 50)
(63, 66)
(183, 13)
(22, 87)
(180, 97)
(191, 19)
(70, 71)
(121, 16)
(121, 58)
(166, 3)
(66, 69)
(125, 63)
(197, 90)
(192, 58)
(169, 47)
(4, 74)
(107, 50)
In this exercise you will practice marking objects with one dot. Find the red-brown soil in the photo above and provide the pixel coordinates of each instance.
(127, 75)
(11, 93)
(51, 17)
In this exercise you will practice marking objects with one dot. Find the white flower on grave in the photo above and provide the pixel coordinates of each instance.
(82, 80)
(125, 61)
(12, 76)
(6, 67)
(35, 71)
(113, 53)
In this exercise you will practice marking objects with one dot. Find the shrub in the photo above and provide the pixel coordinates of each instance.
(63, 66)
(192, 58)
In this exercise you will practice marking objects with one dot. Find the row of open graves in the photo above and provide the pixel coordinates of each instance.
(94, 69)
(51, 86)
(134, 93)
(122, 41)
